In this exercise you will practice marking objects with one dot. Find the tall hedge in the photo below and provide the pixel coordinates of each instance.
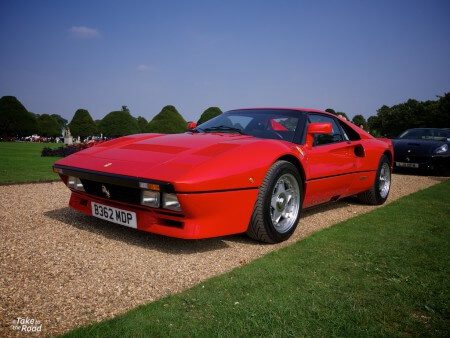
(168, 121)
(391, 121)
(208, 114)
(48, 126)
(119, 123)
(82, 124)
(62, 122)
(15, 119)
(142, 123)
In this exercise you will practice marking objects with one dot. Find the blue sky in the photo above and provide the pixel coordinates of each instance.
(353, 56)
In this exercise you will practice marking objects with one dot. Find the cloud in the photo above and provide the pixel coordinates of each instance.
(143, 68)
(83, 32)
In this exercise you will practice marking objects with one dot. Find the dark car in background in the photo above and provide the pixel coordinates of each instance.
(423, 149)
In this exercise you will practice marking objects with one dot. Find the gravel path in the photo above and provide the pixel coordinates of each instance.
(66, 269)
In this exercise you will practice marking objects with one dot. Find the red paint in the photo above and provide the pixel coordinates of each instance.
(317, 128)
(200, 166)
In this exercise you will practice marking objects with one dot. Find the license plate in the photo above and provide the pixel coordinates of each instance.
(407, 165)
(115, 215)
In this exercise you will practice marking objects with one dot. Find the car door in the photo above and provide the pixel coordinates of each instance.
(330, 164)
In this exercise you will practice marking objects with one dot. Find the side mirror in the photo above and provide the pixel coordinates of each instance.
(191, 125)
(317, 128)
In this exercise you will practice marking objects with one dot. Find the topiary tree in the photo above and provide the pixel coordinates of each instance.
(15, 120)
(142, 123)
(119, 123)
(209, 113)
(62, 122)
(48, 126)
(82, 124)
(168, 121)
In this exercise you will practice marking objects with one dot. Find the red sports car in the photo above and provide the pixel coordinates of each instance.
(246, 170)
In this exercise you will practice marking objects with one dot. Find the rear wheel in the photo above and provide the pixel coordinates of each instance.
(379, 192)
(277, 209)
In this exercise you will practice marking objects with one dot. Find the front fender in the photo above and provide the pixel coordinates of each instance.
(243, 167)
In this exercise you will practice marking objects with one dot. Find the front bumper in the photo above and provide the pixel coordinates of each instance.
(205, 215)
(429, 163)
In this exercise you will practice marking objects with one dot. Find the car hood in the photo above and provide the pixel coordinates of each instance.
(415, 147)
(192, 161)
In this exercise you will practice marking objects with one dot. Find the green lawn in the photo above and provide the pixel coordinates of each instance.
(383, 273)
(22, 162)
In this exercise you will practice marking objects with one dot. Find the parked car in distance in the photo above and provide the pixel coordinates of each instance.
(246, 170)
(424, 149)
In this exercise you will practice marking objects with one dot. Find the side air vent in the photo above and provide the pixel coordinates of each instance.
(359, 151)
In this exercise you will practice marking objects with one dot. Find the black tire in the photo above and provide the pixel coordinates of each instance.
(373, 196)
(261, 227)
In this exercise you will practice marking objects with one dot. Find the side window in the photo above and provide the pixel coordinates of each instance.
(349, 133)
(321, 139)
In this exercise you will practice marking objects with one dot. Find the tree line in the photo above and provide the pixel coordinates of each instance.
(17, 121)
(392, 121)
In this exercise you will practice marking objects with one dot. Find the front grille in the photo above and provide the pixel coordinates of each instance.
(116, 192)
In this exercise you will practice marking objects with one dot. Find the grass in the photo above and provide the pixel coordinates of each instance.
(382, 273)
(22, 162)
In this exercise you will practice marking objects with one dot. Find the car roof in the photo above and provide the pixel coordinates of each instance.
(308, 110)
(311, 110)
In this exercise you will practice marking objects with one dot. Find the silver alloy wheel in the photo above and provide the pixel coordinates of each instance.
(285, 203)
(384, 180)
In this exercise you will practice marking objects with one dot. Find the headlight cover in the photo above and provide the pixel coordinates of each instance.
(75, 183)
(150, 198)
(170, 201)
(442, 149)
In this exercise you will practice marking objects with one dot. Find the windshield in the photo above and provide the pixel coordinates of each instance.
(426, 134)
(263, 123)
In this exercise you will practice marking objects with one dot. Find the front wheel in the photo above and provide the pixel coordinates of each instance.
(277, 209)
(379, 192)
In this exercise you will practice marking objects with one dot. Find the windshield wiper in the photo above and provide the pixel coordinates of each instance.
(225, 128)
